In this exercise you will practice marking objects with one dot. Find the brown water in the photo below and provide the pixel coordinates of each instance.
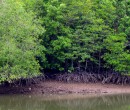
(113, 102)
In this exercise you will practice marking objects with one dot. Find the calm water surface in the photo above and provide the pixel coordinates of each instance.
(113, 102)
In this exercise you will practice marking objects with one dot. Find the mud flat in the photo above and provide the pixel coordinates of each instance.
(55, 87)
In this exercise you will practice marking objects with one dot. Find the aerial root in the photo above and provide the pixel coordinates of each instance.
(93, 78)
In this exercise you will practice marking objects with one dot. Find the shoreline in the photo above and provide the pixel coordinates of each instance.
(61, 88)
(54, 87)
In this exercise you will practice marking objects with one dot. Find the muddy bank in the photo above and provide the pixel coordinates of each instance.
(54, 87)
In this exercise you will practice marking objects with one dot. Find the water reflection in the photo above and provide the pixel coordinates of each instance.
(115, 102)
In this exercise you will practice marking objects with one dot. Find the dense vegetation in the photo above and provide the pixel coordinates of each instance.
(63, 35)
